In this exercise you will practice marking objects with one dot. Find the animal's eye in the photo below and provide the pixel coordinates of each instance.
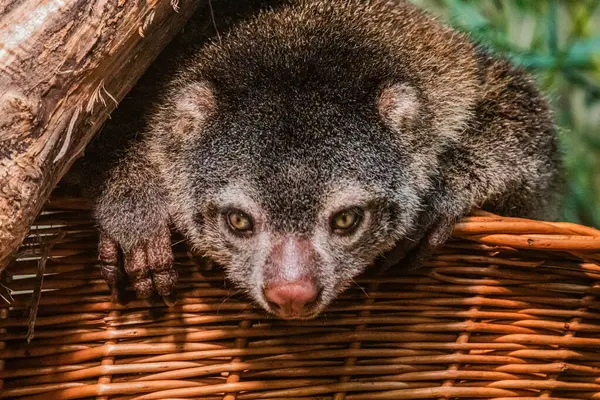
(239, 221)
(346, 220)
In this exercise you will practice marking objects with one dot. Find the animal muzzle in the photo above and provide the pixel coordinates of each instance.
(290, 281)
(291, 300)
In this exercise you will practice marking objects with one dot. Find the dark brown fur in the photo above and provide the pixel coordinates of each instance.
(312, 106)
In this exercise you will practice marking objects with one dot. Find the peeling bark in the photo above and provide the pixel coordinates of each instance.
(64, 66)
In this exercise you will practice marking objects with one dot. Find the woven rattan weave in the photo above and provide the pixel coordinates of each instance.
(507, 309)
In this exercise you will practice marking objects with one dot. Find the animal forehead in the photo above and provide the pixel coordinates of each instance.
(291, 188)
(295, 121)
(300, 145)
(304, 162)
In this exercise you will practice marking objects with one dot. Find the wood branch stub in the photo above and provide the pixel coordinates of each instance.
(64, 66)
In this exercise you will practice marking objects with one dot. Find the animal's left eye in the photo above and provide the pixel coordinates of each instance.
(346, 220)
(239, 221)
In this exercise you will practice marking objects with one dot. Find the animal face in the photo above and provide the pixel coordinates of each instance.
(295, 269)
(293, 201)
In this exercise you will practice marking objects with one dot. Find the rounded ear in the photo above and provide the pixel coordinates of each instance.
(192, 105)
(398, 104)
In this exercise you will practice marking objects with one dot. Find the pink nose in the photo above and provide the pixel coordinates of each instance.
(291, 299)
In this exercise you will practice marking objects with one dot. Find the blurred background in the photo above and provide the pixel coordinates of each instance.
(559, 42)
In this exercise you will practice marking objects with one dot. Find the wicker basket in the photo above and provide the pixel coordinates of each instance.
(506, 310)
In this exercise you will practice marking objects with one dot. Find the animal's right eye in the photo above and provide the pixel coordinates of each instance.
(239, 222)
(345, 221)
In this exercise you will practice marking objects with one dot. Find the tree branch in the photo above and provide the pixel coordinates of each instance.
(64, 66)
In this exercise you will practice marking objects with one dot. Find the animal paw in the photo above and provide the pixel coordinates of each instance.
(411, 254)
(147, 266)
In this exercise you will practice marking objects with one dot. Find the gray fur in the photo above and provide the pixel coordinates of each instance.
(308, 108)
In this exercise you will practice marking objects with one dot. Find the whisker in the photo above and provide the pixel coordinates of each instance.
(177, 242)
(360, 287)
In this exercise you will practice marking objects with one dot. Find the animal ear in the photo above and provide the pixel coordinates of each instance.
(398, 104)
(193, 104)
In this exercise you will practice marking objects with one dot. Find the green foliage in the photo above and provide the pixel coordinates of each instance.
(559, 42)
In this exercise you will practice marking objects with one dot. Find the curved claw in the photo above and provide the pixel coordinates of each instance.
(170, 300)
(394, 256)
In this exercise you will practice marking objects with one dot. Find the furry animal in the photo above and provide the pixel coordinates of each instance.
(311, 140)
